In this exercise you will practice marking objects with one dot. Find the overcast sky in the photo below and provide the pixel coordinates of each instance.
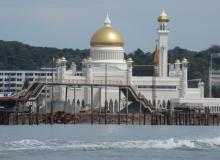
(194, 24)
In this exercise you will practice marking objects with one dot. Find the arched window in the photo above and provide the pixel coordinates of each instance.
(78, 102)
(83, 103)
(111, 106)
(106, 104)
(158, 104)
(164, 104)
(116, 109)
(154, 103)
(168, 104)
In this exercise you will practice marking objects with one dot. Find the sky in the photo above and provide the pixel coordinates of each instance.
(194, 24)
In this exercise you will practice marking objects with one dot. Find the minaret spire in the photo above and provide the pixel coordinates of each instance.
(163, 13)
(107, 22)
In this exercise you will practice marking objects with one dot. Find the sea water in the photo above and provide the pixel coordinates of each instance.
(109, 142)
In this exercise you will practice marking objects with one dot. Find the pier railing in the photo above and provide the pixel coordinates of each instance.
(88, 82)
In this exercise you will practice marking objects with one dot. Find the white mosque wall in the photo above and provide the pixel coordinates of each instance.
(79, 96)
(107, 53)
(168, 81)
(112, 71)
(193, 93)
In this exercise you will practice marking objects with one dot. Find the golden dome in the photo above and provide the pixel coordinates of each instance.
(63, 59)
(177, 61)
(163, 17)
(107, 36)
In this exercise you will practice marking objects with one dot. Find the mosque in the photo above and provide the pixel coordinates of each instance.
(167, 87)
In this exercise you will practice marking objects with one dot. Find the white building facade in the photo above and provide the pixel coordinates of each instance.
(168, 87)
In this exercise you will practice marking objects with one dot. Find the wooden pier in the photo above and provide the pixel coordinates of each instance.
(145, 113)
(176, 118)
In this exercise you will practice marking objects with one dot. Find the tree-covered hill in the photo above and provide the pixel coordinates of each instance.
(18, 56)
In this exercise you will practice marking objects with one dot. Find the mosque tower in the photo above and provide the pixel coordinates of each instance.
(163, 31)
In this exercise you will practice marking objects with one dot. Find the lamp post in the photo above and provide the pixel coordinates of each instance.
(52, 93)
(106, 103)
(210, 77)
(46, 100)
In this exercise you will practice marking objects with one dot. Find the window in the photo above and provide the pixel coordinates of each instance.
(6, 85)
(13, 79)
(12, 74)
(157, 86)
(28, 74)
(19, 85)
(13, 85)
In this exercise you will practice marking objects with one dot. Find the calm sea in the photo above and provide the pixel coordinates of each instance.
(110, 142)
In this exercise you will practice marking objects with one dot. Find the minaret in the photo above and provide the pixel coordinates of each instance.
(163, 31)
(89, 78)
(62, 91)
(129, 70)
(63, 62)
(184, 82)
(58, 68)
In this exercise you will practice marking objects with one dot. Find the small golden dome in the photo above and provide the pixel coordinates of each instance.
(63, 59)
(177, 61)
(107, 36)
(58, 61)
(129, 59)
(163, 17)
(184, 60)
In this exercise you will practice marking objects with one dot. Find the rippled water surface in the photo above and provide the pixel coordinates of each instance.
(94, 142)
